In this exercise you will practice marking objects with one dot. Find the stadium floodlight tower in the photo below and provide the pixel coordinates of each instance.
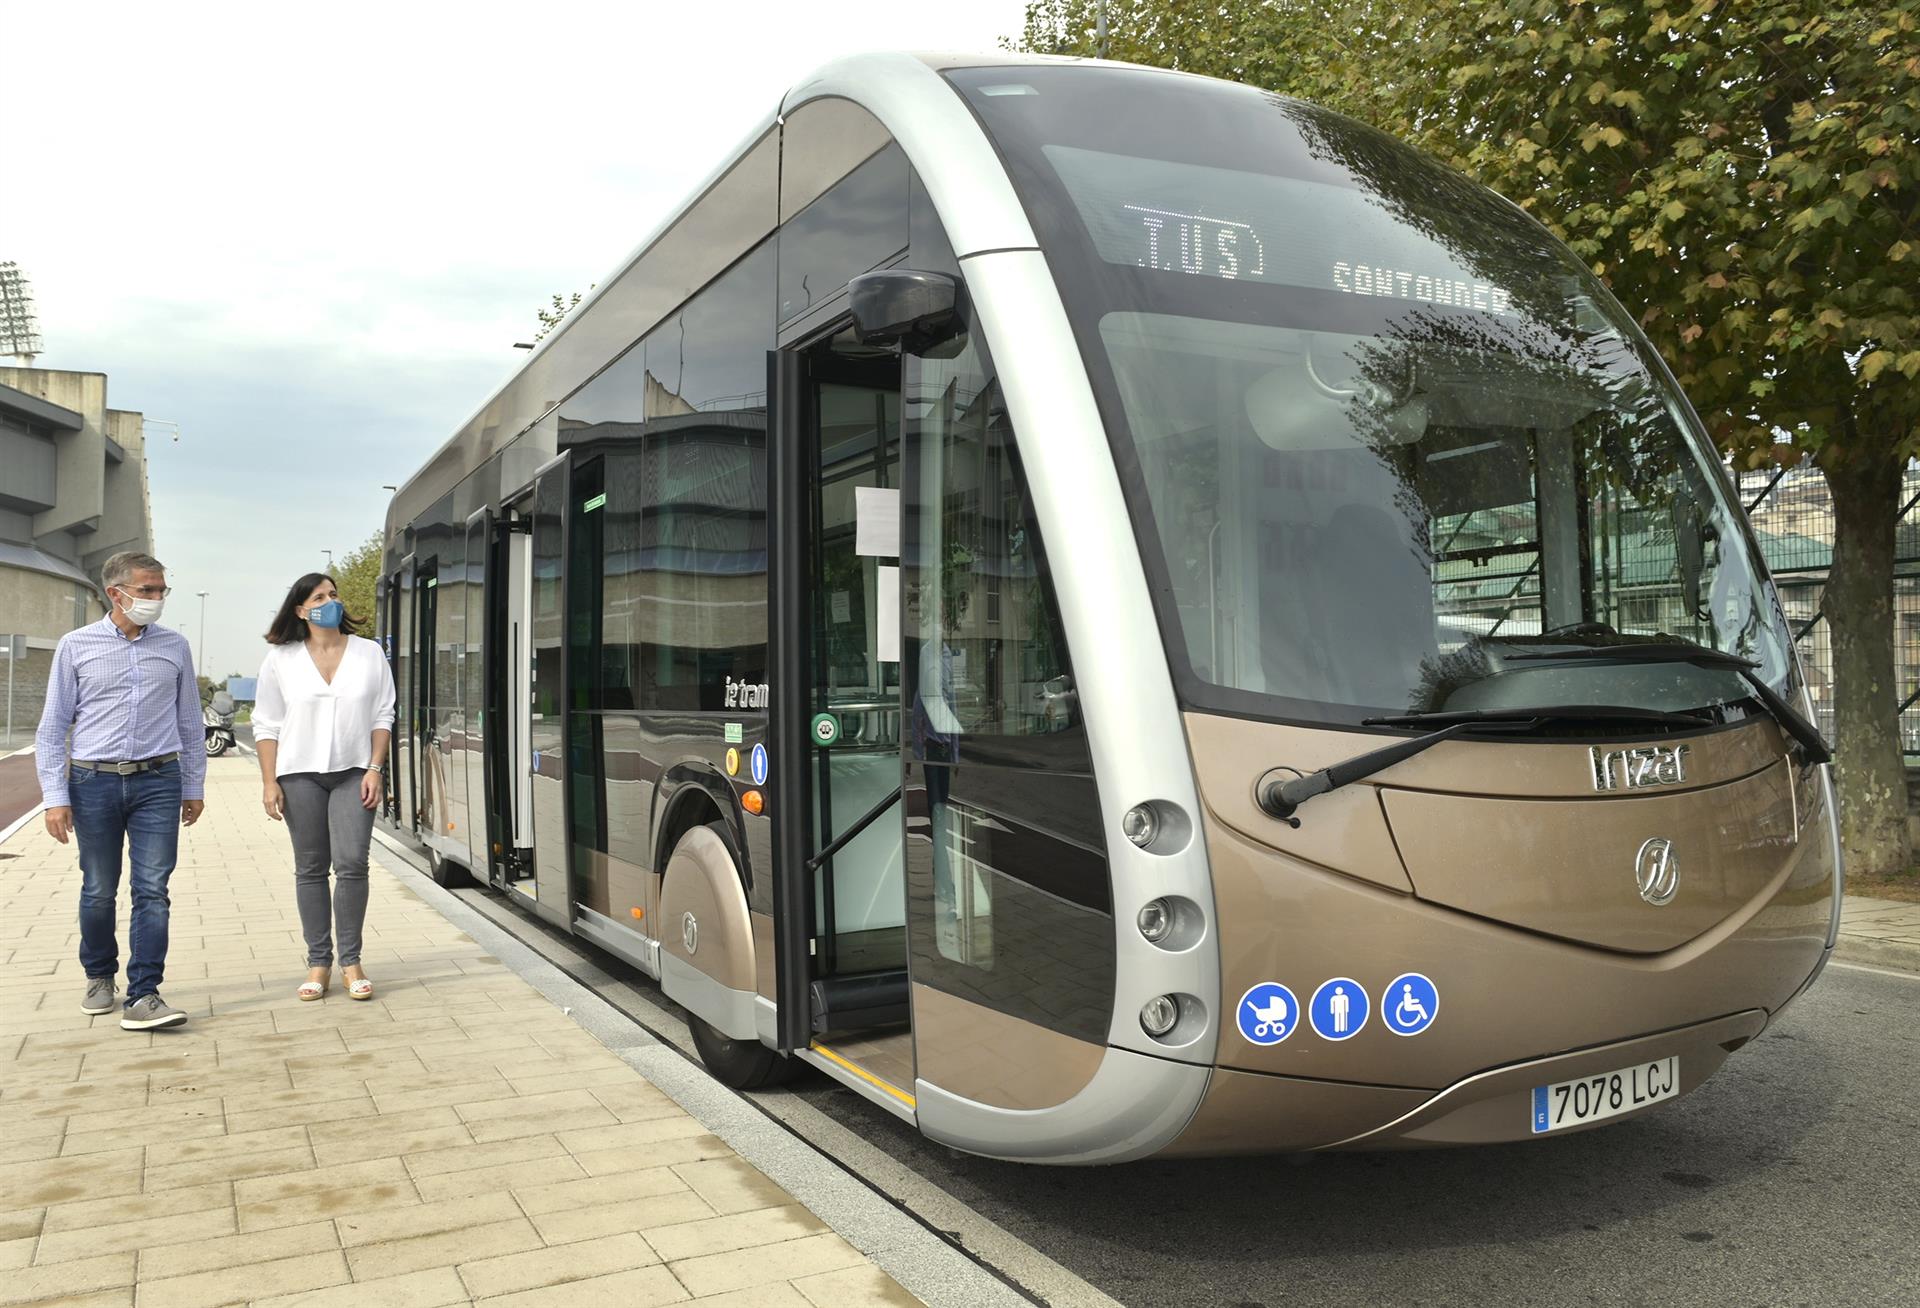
(19, 333)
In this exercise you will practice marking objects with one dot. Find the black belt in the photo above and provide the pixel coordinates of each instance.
(126, 769)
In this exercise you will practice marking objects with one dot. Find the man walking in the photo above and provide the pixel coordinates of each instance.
(137, 767)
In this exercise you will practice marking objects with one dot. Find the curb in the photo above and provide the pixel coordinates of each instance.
(1878, 953)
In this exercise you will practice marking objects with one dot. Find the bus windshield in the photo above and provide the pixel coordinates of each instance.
(1379, 430)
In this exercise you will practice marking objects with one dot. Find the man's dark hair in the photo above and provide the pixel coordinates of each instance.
(288, 627)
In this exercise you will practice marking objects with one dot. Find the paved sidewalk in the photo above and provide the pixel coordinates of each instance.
(457, 1139)
(1884, 932)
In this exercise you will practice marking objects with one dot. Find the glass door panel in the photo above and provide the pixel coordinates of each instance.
(859, 898)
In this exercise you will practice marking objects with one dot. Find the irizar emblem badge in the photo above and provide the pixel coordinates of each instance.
(690, 932)
(1656, 869)
(1636, 769)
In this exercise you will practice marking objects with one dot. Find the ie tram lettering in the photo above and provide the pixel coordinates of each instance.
(1170, 687)
(741, 694)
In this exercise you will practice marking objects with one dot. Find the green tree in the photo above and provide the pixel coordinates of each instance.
(356, 577)
(550, 318)
(1744, 173)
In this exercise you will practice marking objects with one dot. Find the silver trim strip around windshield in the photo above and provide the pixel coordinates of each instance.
(1134, 729)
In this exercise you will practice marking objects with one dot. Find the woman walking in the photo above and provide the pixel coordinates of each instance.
(322, 721)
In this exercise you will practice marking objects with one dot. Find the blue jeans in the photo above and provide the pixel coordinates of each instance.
(142, 814)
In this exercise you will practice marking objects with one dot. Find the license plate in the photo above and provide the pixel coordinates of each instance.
(1607, 1094)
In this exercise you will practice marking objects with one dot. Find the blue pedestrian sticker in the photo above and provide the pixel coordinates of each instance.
(1409, 1004)
(1268, 1013)
(1339, 1009)
(758, 765)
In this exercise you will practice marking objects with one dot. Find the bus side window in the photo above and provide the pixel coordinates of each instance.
(1012, 834)
(856, 225)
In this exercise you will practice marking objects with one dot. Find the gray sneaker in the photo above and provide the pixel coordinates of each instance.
(101, 996)
(150, 1012)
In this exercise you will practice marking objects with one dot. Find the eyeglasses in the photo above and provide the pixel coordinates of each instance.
(150, 592)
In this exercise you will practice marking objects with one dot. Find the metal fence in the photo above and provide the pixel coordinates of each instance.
(1792, 516)
(23, 687)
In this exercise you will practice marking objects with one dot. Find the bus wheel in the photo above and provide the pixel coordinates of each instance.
(742, 1064)
(445, 874)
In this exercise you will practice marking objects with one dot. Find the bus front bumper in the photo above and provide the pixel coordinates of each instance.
(1499, 1105)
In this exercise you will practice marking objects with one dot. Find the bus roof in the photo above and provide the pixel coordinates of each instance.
(736, 207)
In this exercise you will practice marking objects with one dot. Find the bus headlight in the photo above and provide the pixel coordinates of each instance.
(1156, 921)
(1140, 825)
(1158, 1015)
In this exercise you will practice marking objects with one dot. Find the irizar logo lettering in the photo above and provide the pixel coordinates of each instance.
(1637, 769)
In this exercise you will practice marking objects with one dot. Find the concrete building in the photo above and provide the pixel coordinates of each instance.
(73, 490)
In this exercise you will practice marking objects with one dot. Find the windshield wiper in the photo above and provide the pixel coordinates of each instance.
(1812, 743)
(1280, 796)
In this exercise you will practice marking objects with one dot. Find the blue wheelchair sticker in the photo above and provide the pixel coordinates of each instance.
(758, 765)
(1268, 1013)
(1409, 1004)
(1339, 1009)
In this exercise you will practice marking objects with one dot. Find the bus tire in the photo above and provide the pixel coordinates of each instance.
(445, 873)
(741, 1064)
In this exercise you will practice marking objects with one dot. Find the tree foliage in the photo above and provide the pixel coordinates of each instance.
(356, 577)
(1745, 174)
(550, 318)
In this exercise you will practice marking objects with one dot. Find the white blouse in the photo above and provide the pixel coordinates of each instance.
(321, 726)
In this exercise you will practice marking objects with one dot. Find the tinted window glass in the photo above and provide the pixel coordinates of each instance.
(684, 606)
(1006, 864)
(612, 405)
(1333, 369)
(859, 223)
(987, 656)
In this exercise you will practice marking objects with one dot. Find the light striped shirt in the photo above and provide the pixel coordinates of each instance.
(122, 700)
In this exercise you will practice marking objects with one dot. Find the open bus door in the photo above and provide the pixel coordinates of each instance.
(840, 892)
(526, 762)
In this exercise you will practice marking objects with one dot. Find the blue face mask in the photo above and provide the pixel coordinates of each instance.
(328, 614)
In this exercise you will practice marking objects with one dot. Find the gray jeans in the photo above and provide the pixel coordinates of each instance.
(330, 827)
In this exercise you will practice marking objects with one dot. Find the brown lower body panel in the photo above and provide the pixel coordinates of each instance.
(1247, 1112)
(1253, 1113)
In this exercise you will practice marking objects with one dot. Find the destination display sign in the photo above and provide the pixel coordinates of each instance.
(1202, 221)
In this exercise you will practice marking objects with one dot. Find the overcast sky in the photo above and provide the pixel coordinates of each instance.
(310, 236)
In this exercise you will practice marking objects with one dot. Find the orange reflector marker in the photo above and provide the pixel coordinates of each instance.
(638, 913)
(753, 801)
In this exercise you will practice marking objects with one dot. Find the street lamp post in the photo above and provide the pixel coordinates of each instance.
(329, 554)
(203, 631)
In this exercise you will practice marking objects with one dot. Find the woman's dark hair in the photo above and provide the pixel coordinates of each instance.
(288, 626)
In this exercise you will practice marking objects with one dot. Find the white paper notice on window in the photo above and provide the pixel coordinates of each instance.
(887, 615)
(876, 516)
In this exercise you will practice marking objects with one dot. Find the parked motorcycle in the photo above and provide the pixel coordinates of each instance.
(217, 716)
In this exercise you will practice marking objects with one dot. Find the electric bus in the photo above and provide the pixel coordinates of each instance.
(1120, 614)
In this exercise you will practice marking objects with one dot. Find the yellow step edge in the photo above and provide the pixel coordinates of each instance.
(863, 1074)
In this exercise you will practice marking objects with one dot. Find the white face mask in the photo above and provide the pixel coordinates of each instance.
(141, 612)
